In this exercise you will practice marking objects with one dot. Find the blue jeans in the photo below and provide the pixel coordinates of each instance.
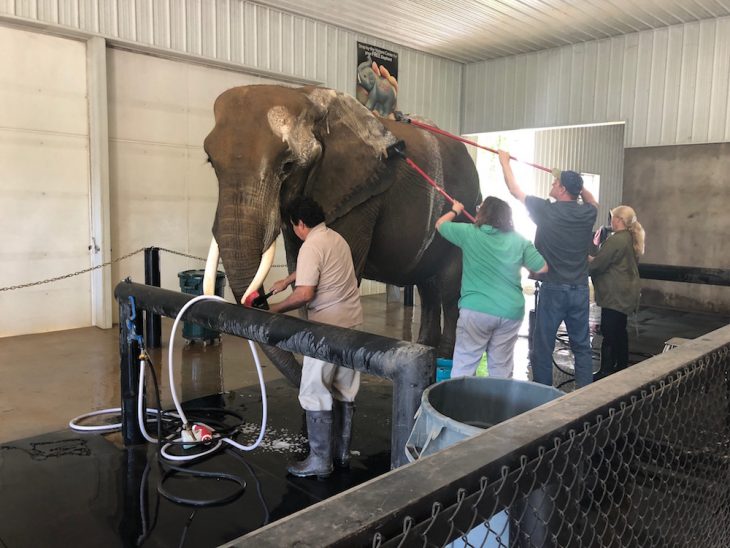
(562, 303)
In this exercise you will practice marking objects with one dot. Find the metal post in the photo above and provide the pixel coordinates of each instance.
(129, 324)
(408, 385)
(153, 325)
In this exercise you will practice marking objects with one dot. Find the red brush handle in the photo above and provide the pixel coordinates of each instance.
(434, 185)
(473, 143)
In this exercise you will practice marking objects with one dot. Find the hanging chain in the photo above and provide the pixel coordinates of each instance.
(173, 252)
(77, 273)
(102, 265)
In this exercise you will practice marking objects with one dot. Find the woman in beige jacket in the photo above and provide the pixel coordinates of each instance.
(615, 275)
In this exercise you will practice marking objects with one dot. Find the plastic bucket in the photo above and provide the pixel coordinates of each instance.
(443, 369)
(459, 408)
(191, 282)
(456, 409)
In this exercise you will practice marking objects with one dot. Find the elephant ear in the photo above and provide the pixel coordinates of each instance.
(353, 166)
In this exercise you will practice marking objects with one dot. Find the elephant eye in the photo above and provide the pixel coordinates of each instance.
(286, 167)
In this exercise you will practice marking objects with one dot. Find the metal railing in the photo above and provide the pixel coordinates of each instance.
(641, 458)
(410, 366)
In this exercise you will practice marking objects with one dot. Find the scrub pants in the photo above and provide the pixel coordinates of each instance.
(321, 381)
(477, 332)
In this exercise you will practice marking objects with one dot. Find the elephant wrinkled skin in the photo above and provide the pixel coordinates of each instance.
(271, 143)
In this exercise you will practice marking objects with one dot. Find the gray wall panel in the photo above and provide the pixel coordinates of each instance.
(588, 149)
(670, 86)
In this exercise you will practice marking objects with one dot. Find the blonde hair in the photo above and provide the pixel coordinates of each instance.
(628, 216)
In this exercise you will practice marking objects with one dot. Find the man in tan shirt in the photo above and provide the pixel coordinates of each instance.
(326, 284)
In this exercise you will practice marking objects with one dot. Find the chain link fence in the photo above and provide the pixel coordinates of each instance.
(641, 459)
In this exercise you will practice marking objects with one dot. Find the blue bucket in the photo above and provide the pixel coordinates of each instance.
(443, 369)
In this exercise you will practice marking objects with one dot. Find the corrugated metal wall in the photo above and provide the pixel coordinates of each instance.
(671, 86)
(589, 149)
(260, 37)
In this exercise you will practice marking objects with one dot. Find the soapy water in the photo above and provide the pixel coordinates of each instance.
(275, 440)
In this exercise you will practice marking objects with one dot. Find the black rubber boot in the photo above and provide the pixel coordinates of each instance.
(343, 412)
(319, 461)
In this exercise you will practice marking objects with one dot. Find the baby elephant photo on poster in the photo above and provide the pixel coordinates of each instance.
(377, 85)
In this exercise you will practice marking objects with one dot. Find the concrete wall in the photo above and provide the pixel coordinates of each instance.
(44, 182)
(681, 196)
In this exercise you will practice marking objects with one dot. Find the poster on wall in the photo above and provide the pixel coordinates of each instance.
(377, 79)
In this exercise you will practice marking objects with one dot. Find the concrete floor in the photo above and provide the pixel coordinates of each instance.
(59, 487)
(47, 379)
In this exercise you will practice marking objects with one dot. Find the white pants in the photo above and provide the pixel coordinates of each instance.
(322, 381)
(477, 332)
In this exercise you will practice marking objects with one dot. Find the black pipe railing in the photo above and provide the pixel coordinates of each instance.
(686, 274)
(410, 366)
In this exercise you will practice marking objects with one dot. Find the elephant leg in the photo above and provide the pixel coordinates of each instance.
(430, 293)
(371, 99)
(450, 283)
(285, 362)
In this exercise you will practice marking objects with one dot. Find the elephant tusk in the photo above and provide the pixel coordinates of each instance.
(267, 259)
(211, 269)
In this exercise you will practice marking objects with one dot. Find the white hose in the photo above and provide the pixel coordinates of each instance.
(105, 428)
(181, 414)
(264, 406)
(97, 427)
(140, 400)
(170, 349)
(176, 401)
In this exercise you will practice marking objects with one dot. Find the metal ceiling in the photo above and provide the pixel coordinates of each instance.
(476, 30)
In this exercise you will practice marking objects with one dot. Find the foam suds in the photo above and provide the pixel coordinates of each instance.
(275, 440)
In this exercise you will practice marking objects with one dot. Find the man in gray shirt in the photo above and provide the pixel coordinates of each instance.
(563, 237)
(325, 282)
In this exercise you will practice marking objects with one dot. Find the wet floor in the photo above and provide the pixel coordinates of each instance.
(86, 490)
(58, 487)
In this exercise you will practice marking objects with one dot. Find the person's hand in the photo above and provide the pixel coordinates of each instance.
(504, 157)
(457, 207)
(279, 286)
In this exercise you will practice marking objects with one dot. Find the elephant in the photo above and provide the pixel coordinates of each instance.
(381, 96)
(271, 143)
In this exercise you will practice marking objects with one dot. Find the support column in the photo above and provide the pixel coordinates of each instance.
(100, 239)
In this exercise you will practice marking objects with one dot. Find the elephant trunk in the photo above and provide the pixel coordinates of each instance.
(244, 232)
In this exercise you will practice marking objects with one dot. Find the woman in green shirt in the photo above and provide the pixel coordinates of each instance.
(615, 274)
(491, 305)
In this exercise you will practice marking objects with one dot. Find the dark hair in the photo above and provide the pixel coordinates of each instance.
(496, 213)
(305, 209)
